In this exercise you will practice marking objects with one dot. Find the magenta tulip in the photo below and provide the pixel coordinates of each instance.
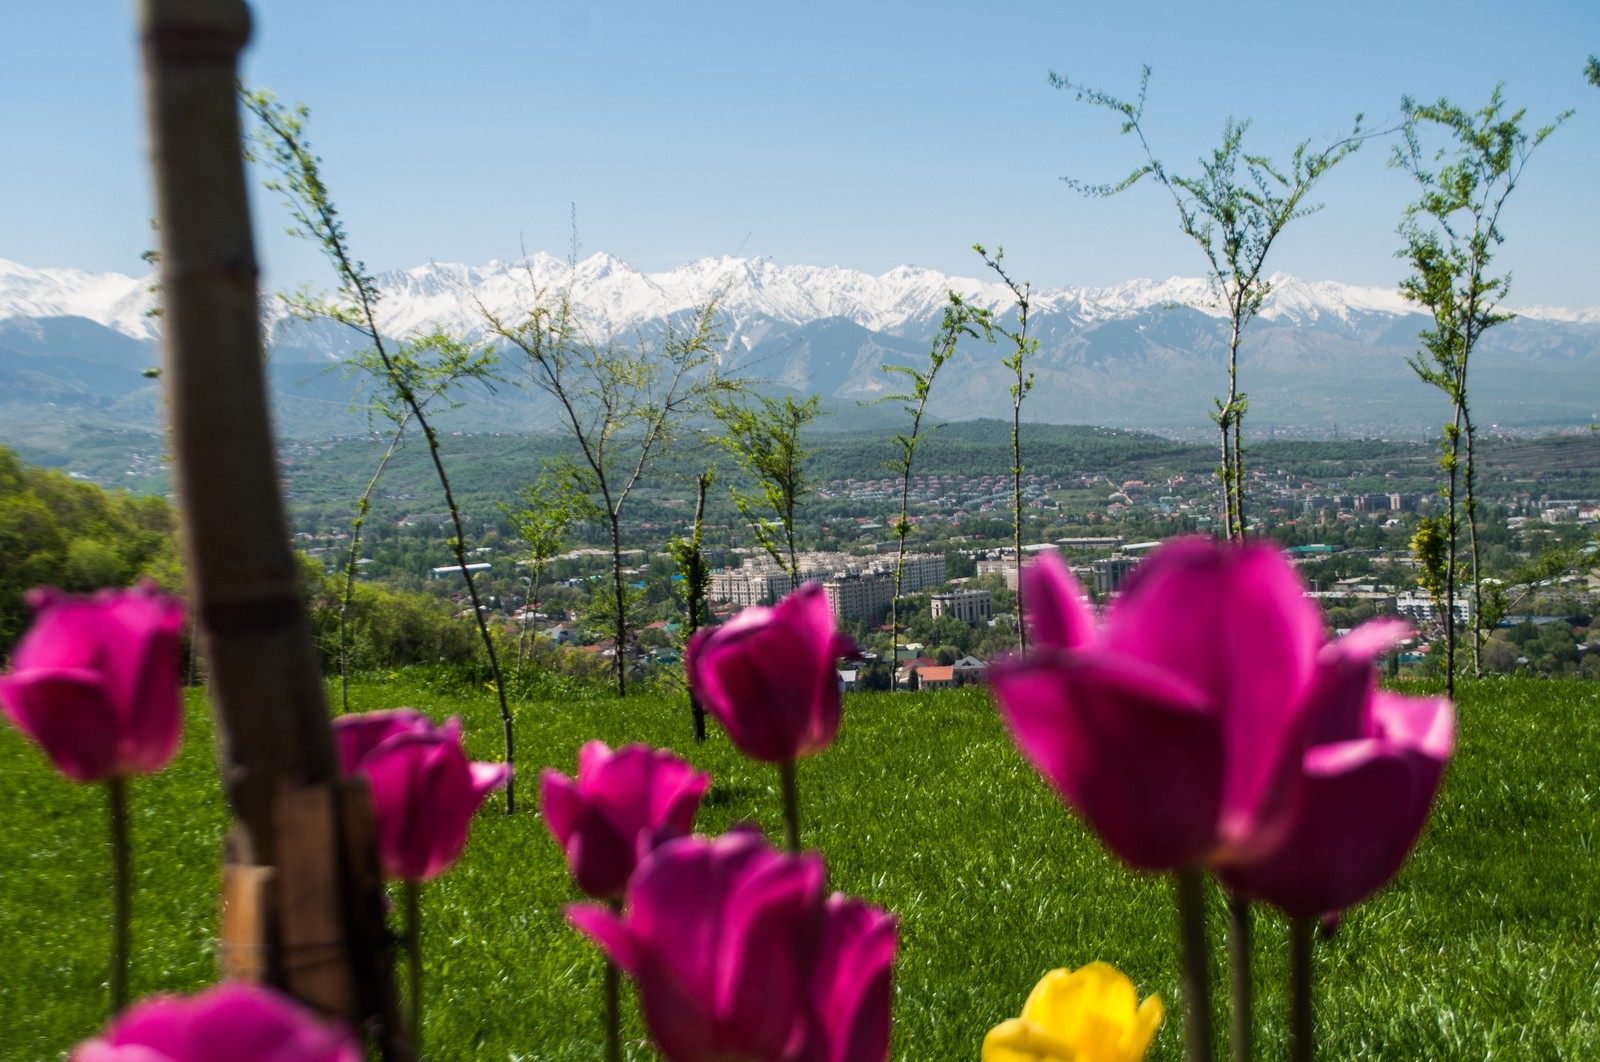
(850, 989)
(737, 955)
(233, 1021)
(770, 677)
(622, 805)
(94, 682)
(424, 790)
(1368, 780)
(1174, 727)
(357, 734)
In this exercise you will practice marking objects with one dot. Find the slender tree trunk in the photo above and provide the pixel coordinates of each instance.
(696, 577)
(1016, 505)
(1451, 535)
(1471, 508)
(621, 625)
(356, 527)
(272, 717)
(1238, 473)
(1233, 465)
(459, 544)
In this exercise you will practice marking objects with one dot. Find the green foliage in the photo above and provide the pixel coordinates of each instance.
(763, 435)
(624, 406)
(1450, 234)
(56, 531)
(544, 512)
(1591, 71)
(1022, 348)
(1451, 231)
(959, 320)
(1234, 209)
(1430, 547)
(385, 628)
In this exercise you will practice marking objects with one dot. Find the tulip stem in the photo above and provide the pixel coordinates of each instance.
(1300, 1041)
(121, 878)
(613, 1013)
(1194, 957)
(791, 805)
(413, 891)
(613, 1002)
(1239, 956)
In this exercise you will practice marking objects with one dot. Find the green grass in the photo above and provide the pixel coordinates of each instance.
(1485, 946)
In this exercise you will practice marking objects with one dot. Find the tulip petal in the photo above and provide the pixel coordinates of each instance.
(486, 778)
(1052, 599)
(357, 734)
(560, 803)
(1018, 1040)
(1094, 1008)
(850, 981)
(1137, 752)
(677, 797)
(676, 895)
(1426, 724)
(593, 757)
(1362, 807)
(769, 678)
(775, 913)
(1235, 621)
(1337, 704)
(608, 932)
(142, 673)
(233, 1020)
(66, 633)
(67, 714)
(422, 803)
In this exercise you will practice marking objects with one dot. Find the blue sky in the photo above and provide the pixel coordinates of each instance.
(859, 134)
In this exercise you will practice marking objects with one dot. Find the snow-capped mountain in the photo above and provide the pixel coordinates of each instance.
(1144, 353)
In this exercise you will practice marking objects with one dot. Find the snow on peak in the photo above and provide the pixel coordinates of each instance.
(610, 296)
(110, 299)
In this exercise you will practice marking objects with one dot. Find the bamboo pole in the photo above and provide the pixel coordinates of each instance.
(275, 744)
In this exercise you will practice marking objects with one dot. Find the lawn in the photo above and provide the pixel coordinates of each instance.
(1486, 945)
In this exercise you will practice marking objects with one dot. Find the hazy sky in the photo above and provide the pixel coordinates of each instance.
(859, 134)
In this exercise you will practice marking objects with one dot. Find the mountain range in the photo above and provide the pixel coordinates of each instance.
(1322, 357)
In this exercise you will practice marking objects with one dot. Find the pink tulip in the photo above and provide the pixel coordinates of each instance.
(850, 989)
(357, 734)
(737, 955)
(623, 804)
(1173, 728)
(769, 676)
(1368, 781)
(424, 791)
(94, 682)
(234, 1021)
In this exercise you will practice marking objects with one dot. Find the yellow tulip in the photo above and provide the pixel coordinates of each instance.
(1088, 1015)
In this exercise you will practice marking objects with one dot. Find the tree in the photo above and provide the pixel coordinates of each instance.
(957, 322)
(624, 406)
(690, 558)
(452, 364)
(1234, 209)
(279, 142)
(1450, 234)
(542, 517)
(763, 435)
(1022, 348)
(1591, 71)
